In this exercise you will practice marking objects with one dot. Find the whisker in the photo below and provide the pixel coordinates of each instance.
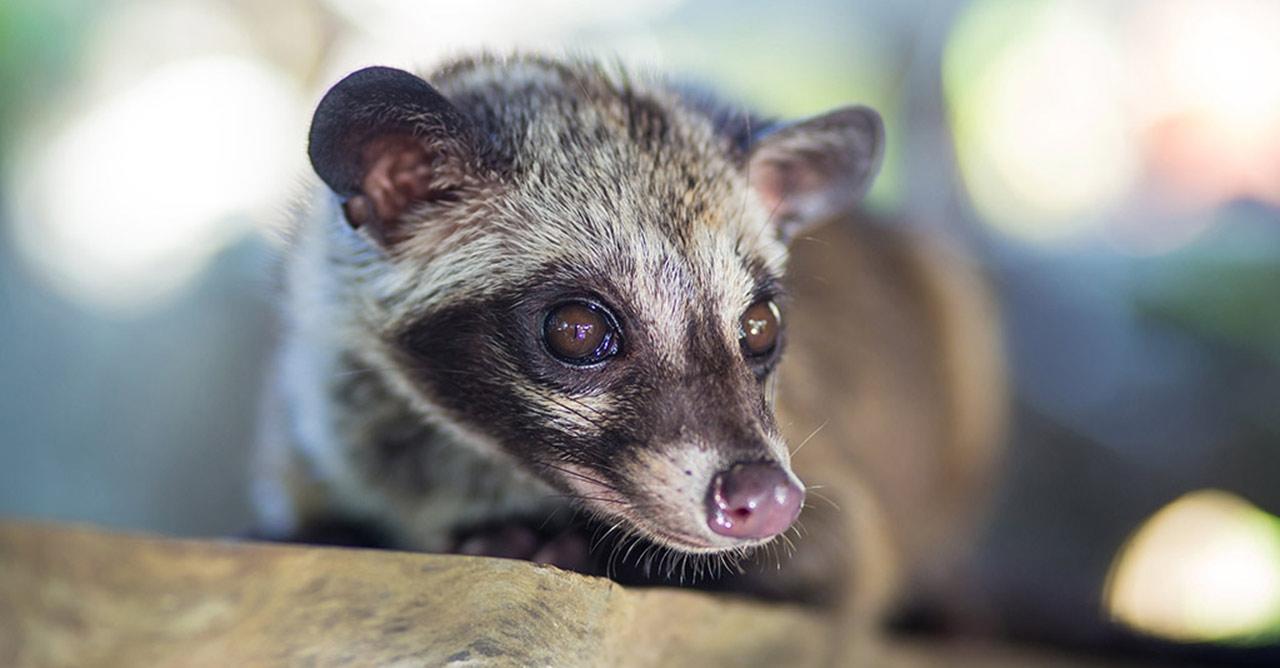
(822, 497)
(600, 499)
(551, 515)
(809, 437)
(577, 474)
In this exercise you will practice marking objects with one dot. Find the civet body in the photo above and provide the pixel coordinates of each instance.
(548, 310)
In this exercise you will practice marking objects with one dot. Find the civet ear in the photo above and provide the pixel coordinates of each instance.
(386, 142)
(811, 170)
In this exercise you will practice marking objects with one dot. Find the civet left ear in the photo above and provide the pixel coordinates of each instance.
(386, 142)
(815, 169)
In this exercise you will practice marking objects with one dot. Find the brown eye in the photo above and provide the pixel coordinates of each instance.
(759, 328)
(580, 333)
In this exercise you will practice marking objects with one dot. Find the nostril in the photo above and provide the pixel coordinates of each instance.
(753, 501)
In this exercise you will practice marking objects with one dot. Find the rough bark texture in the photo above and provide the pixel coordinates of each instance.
(82, 597)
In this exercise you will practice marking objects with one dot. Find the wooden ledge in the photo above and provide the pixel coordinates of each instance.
(81, 597)
(73, 596)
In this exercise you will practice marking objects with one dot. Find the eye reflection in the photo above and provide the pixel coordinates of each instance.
(758, 328)
(579, 333)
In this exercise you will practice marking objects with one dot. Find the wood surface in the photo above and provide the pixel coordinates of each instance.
(74, 596)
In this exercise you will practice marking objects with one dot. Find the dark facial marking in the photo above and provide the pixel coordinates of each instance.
(469, 357)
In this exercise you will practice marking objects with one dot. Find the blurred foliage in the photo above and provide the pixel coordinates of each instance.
(1224, 289)
(1229, 302)
(40, 43)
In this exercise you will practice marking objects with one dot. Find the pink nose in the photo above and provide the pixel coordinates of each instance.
(753, 501)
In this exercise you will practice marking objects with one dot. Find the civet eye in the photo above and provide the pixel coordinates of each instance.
(758, 328)
(580, 333)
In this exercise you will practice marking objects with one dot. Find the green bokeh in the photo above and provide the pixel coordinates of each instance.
(39, 45)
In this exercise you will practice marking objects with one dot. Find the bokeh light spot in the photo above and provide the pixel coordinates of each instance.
(1204, 568)
(123, 206)
(1036, 106)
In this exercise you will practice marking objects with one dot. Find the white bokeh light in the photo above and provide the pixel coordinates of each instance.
(122, 207)
(414, 34)
(1037, 101)
(1205, 89)
(1204, 568)
(1215, 57)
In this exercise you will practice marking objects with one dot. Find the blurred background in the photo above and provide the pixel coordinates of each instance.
(1115, 165)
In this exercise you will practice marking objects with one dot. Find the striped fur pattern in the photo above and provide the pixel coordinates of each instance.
(412, 390)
